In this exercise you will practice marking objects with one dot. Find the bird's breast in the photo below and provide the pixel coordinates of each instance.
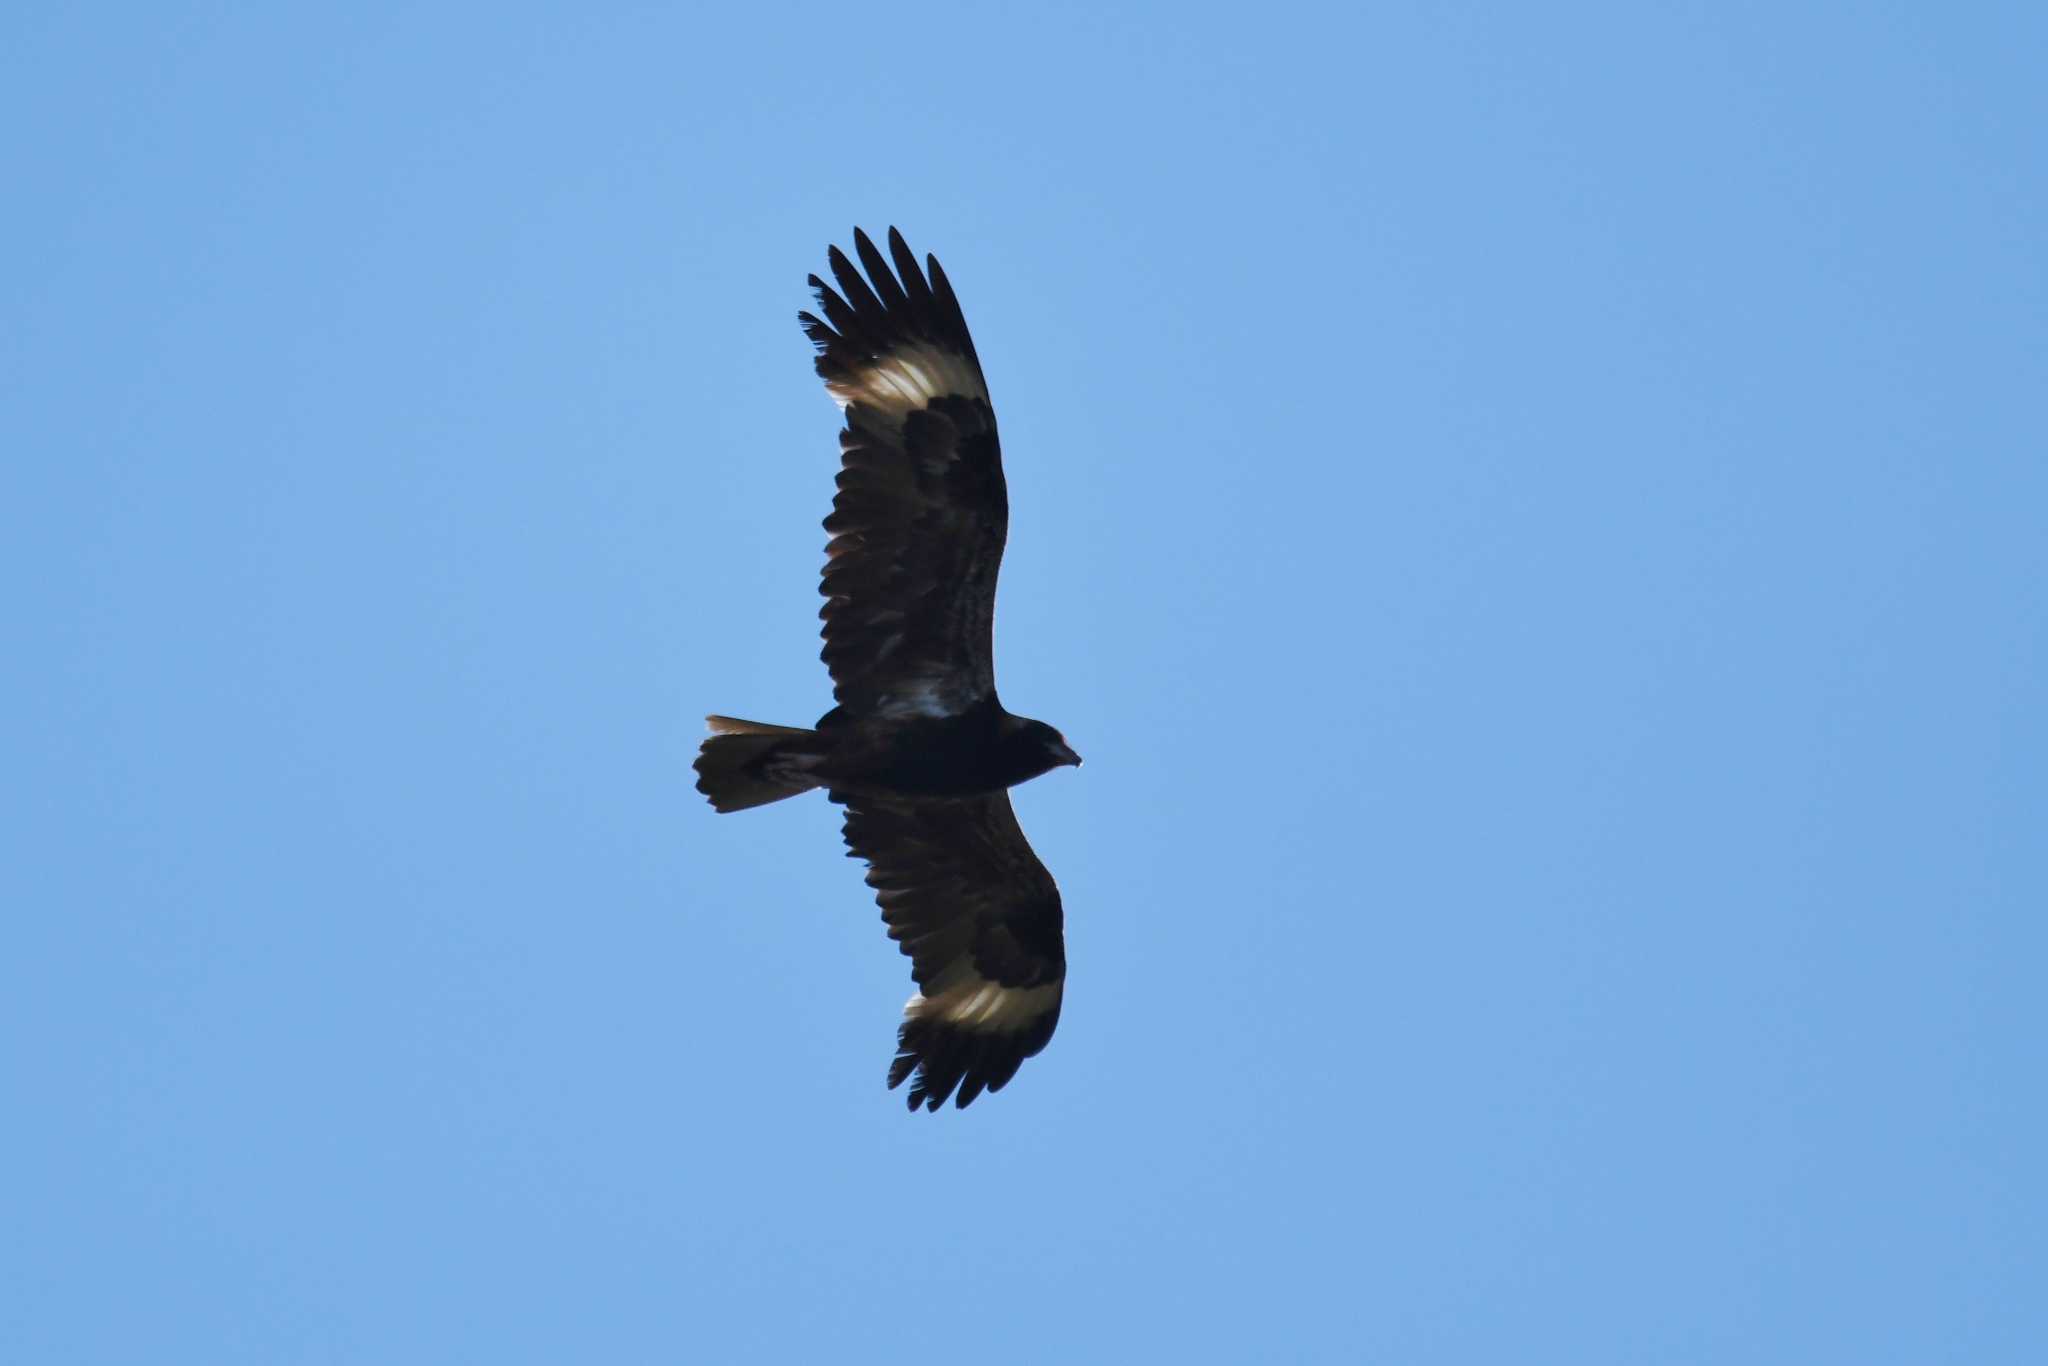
(951, 757)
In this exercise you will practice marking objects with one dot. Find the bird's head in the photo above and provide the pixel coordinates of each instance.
(1038, 748)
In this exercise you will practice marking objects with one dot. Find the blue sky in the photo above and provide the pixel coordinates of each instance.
(1535, 518)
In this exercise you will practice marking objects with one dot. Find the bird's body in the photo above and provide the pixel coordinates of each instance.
(919, 749)
(982, 750)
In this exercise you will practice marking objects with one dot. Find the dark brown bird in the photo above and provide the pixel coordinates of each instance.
(919, 749)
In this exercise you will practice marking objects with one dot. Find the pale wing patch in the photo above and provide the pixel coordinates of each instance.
(983, 1006)
(906, 379)
(925, 696)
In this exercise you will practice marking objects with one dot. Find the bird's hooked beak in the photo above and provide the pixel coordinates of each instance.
(1065, 754)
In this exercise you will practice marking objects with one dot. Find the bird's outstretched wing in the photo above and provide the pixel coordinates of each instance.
(918, 525)
(979, 917)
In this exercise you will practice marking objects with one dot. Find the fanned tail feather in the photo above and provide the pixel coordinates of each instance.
(749, 763)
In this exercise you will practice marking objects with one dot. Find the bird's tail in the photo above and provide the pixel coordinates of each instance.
(746, 763)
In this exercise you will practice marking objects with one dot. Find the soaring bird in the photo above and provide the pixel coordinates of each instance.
(919, 750)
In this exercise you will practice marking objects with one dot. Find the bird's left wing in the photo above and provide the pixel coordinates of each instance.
(979, 916)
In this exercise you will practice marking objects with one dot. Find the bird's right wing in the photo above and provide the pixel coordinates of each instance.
(979, 916)
(918, 526)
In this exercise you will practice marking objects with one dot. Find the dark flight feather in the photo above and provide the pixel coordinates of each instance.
(978, 915)
(922, 514)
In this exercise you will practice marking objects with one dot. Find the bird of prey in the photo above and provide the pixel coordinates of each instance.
(919, 750)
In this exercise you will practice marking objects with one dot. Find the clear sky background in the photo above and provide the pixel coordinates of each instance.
(1534, 515)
